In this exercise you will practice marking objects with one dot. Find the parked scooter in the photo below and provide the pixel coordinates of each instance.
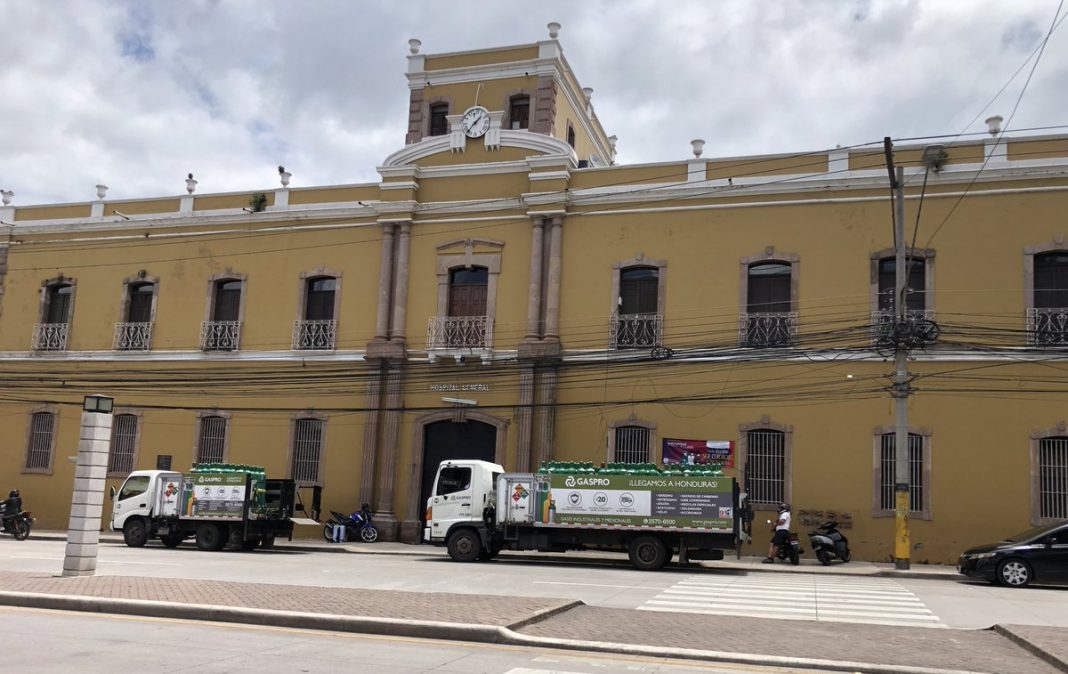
(829, 544)
(357, 526)
(792, 551)
(13, 519)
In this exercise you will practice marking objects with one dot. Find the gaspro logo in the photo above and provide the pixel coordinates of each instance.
(572, 481)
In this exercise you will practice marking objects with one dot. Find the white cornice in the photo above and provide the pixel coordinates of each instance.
(525, 140)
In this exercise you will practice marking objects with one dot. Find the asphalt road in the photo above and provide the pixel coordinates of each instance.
(61, 642)
(933, 603)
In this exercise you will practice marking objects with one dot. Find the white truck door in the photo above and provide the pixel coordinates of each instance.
(134, 499)
(453, 499)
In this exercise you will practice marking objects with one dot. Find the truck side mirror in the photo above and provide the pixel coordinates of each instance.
(111, 494)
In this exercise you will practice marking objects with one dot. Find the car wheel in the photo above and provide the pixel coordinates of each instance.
(1014, 573)
(134, 533)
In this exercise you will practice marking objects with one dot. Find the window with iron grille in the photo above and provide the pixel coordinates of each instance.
(211, 443)
(1053, 478)
(123, 443)
(39, 452)
(766, 466)
(887, 468)
(307, 450)
(631, 444)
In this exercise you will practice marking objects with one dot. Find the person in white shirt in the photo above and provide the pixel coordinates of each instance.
(781, 535)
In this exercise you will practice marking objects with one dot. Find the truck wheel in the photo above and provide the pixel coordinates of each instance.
(134, 532)
(647, 553)
(465, 546)
(267, 542)
(250, 545)
(210, 537)
(172, 540)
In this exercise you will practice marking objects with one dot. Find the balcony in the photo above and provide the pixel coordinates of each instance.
(882, 323)
(314, 335)
(1047, 327)
(50, 336)
(635, 331)
(458, 332)
(220, 335)
(763, 330)
(132, 337)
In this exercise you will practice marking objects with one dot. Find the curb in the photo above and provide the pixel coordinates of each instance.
(428, 629)
(1023, 642)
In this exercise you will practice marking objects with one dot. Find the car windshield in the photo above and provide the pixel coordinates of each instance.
(1033, 533)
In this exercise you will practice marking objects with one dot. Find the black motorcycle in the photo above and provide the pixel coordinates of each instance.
(829, 544)
(13, 519)
(792, 551)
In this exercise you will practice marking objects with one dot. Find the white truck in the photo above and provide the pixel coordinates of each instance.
(217, 508)
(476, 510)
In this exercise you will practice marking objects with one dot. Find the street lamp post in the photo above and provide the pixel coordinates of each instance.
(87, 500)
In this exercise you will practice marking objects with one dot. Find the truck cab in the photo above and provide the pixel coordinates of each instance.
(144, 495)
(462, 490)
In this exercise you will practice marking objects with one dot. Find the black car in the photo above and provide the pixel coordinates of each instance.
(1039, 555)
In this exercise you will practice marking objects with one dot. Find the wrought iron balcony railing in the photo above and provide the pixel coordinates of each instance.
(768, 329)
(314, 335)
(50, 336)
(635, 331)
(220, 335)
(132, 337)
(883, 320)
(458, 332)
(1047, 327)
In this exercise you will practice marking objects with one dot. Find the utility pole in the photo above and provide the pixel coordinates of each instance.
(902, 388)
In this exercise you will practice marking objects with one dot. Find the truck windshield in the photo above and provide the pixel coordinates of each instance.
(452, 479)
(134, 486)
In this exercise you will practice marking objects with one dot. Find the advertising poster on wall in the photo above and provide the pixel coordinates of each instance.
(699, 452)
(216, 495)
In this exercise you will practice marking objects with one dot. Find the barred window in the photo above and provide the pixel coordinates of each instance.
(766, 466)
(39, 452)
(123, 443)
(632, 444)
(1053, 478)
(887, 467)
(307, 450)
(211, 444)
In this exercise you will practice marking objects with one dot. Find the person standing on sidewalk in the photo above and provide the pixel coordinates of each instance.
(781, 535)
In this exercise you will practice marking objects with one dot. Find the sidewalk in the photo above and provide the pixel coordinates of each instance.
(750, 564)
(549, 623)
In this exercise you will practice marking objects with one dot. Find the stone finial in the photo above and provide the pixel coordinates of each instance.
(284, 175)
(554, 29)
(101, 191)
(190, 184)
(612, 140)
(993, 124)
(413, 45)
(5, 196)
(698, 145)
(588, 92)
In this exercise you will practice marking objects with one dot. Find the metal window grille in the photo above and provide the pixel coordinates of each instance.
(123, 442)
(307, 449)
(887, 461)
(632, 444)
(39, 453)
(212, 445)
(1053, 478)
(766, 459)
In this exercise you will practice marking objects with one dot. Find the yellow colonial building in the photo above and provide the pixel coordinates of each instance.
(507, 291)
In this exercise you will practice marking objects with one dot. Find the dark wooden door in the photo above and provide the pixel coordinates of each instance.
(140, 305)
(467, 291)
(227, 301)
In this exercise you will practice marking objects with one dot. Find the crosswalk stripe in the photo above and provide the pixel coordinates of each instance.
(770, 609)
(770, 601)
(798, 594)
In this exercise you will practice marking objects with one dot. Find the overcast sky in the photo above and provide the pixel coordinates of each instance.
(137, 94)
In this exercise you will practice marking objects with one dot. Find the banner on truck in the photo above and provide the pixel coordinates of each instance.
(213, 495)
(699, 452)
(676, 501)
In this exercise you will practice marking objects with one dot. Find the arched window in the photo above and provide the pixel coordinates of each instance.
(139, 302)
(319, 298)
(769, 319)
(519, 112)
(467, 291)
(58, 303)
(222, 332)
(638, 318)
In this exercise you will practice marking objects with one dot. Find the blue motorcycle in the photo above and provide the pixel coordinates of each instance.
(357, 526)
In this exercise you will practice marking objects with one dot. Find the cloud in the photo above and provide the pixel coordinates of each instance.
(136, 95)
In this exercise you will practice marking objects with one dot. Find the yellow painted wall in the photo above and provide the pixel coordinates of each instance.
(481, 57)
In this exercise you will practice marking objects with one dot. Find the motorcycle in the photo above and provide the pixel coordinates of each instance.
(358, 526)
(792, 551)
(13, 519)
(828, 543)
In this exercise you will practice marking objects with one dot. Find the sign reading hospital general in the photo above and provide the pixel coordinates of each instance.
(679, 502)
(699, 452)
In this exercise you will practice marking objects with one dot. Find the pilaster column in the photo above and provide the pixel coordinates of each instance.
(385, 283)
(400, 283)
(370, 437)
(545, 416)
(552, 301)
(524, 414)
(537, 244)
(388, 453)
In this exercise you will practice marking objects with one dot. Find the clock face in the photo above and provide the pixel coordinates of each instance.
(475, 122)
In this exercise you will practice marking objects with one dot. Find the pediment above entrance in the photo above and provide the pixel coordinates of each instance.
(448, 150)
